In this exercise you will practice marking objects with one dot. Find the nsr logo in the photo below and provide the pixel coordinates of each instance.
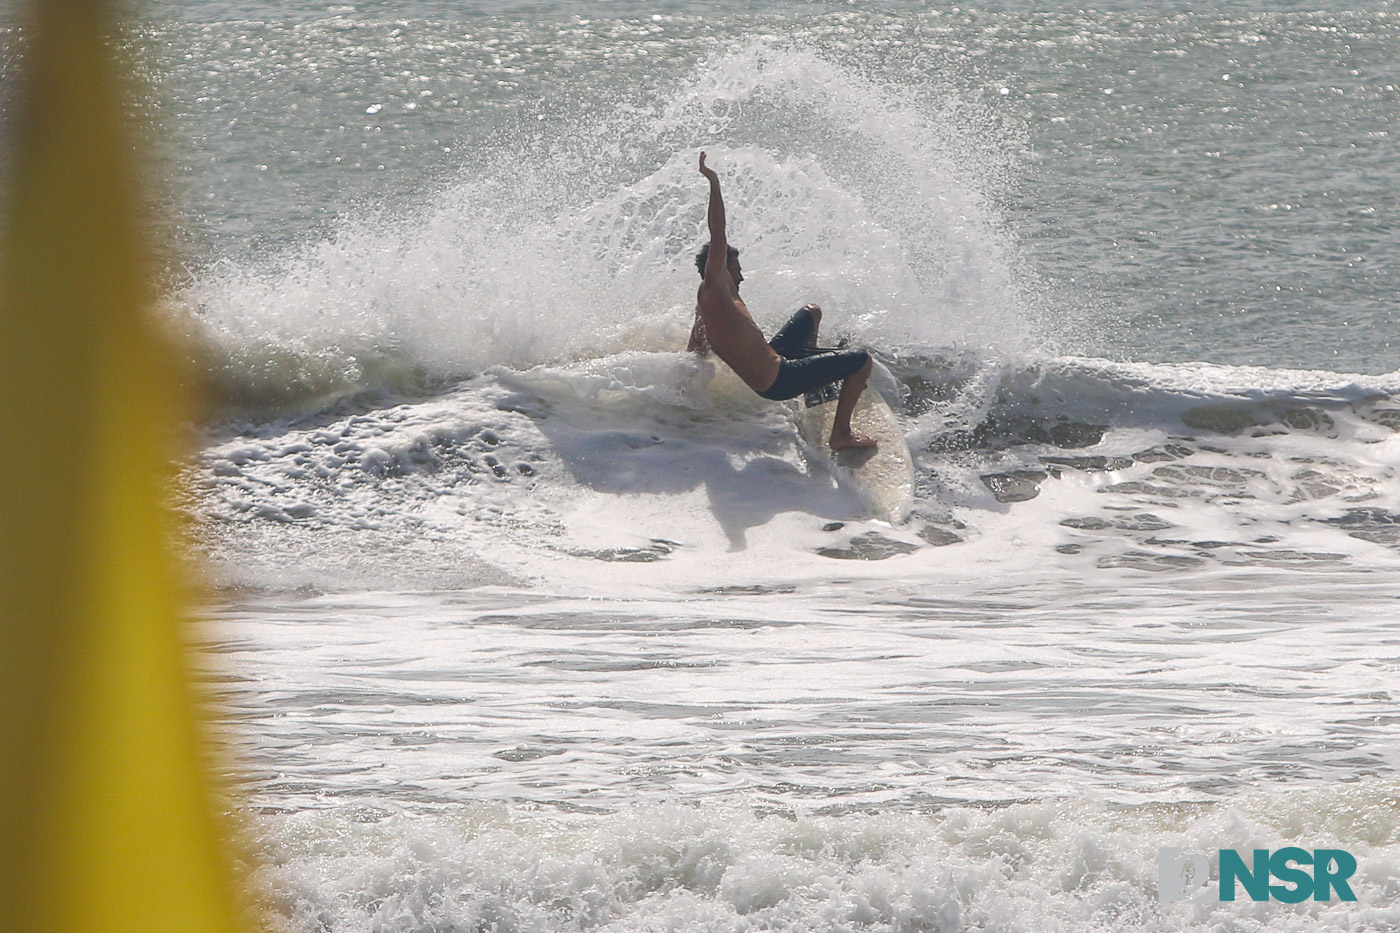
(1183, 874)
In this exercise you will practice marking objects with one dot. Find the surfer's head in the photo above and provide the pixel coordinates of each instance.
(703, 257)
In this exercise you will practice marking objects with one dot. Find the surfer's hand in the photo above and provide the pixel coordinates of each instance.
(706, 170)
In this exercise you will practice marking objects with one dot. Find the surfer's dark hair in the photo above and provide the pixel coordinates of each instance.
(703, 256)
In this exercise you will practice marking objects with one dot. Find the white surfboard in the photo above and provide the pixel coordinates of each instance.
(882, 475)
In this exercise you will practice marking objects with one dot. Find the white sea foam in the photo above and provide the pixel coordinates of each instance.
(1071, 865)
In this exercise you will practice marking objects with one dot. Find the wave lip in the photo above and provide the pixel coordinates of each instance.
(663, 459)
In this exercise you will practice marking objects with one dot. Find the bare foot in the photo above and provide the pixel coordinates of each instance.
(850, 440)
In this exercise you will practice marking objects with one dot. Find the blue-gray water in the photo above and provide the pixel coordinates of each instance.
(1213, 186)
(528, 621)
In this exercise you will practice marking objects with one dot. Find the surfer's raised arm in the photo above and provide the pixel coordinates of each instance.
(716, 265)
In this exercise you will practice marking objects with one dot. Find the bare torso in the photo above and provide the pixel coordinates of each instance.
(735, 338)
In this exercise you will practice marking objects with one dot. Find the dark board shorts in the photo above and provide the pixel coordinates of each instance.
(806, 368)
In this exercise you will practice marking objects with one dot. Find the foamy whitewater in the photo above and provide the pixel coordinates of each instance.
(525, 620)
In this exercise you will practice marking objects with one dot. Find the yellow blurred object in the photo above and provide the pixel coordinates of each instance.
(107, 820)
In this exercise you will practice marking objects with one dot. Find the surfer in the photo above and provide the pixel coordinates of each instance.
(788, 365)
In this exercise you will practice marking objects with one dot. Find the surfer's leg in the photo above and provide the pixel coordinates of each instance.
(842, 437)
(814, 370)
(798, 333)
(816, 315)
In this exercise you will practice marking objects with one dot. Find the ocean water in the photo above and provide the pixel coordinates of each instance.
(525, 620)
